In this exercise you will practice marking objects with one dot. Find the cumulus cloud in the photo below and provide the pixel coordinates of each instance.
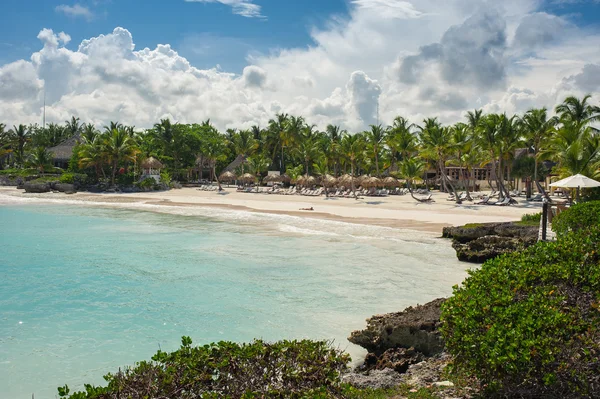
(438, 60)
(76, 10)
(539, 29)
(471, 53)
(245, 8)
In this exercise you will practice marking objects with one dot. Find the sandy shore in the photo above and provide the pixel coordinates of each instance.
(393, 211)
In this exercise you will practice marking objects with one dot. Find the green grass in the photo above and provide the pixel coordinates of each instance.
(472, 225)
(527, 223)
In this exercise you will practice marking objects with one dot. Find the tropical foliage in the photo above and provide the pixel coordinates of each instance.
(527, 324)
(568, 141)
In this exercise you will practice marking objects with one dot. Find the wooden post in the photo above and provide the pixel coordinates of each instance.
(545, 219)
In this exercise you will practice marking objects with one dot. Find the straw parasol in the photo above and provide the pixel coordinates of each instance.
(370, 182)
(247, 178)
(272, 179)
(346, 180)
(227, 177)
(300, 180)
(361, 179)
(391, 182)
(576, 181)
(328, 181)
(285, 178)
(309, 181)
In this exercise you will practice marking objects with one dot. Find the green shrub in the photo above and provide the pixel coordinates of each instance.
(165, 177)
(527, 324)
(532, 217)
(45, 179)
(579, 216)
(19, 172)
(80, 179)
(125, 179)
(286, 369)
(147, 183)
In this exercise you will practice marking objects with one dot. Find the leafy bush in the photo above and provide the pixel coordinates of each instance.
(527, 324)
(286, 369)
(147, 184)
(19, 172)
(532, 217)
(579, 216)
(80, 179)
(125, 179)
(165, 177)
(45, 179)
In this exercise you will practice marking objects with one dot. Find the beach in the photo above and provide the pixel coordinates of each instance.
(400, 212)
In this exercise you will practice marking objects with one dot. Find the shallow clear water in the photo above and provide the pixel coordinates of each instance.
(86, 290)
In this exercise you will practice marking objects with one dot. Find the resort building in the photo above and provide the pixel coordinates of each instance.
(61, 154)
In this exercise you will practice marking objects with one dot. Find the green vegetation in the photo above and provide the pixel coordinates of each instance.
(579, 217)
(530, 219)
(527, 324)
(286, 369)
(290, 144)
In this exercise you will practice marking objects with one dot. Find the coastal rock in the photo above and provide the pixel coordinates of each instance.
(415, 327)
(65, 188)
(479, 242)
(376, 379)
(488, 247)
(397, 359)
(37, 187)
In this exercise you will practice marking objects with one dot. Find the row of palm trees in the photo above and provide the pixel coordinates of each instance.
(288, 143)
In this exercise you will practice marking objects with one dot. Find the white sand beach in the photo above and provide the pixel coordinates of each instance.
(391, 211)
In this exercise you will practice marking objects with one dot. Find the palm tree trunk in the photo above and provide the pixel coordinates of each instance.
(377, 162)
(218, 182)
(448, 183)
(352, 179)
(114, 173)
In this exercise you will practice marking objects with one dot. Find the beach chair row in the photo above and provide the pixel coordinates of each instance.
(208, 188)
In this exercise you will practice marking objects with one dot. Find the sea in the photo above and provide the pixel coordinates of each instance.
(86, 288)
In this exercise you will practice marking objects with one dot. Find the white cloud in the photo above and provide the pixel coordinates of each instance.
(76, 10)
(452, 56)
(389, 8)
(245, 8)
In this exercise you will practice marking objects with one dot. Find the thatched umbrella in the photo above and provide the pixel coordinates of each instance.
(308, 181)
(391, 182)
(361, 179)
(247, 178)
(227, 177)
(300, 180)
(272, 179)
(328, 181)
(285, 178)
(345, 180)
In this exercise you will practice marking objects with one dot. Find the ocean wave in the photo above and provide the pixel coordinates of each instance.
(275, 223)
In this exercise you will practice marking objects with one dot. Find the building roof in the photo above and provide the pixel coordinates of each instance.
(233, 166)
(64, 150)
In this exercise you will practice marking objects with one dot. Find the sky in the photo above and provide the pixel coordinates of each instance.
(239, 62)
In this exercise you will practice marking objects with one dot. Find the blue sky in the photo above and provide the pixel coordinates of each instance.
(332, 61)
(206, 33)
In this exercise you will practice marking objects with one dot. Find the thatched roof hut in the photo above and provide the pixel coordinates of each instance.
(62, 153)
(152, 163)
(391, 182)
(328, 181)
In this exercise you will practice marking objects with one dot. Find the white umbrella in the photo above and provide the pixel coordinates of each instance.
(576, 181)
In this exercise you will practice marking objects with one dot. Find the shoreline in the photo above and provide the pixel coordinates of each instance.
(397, 212)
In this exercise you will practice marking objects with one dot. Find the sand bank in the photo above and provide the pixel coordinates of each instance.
(392, 211)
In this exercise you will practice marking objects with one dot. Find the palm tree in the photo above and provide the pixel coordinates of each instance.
(436, 141)
(352, 147)
(40, 159)
(412, 169)
(461, 144)
(375, 137)
(92, 155)
(278, 128)
(21, 137)
(6, 141)
(538, 129)
(89, 133)
(576, 151)
(579, 112)
(73, 126)
(308, 150)
(119, 146)
(258, 164)
(244, 145)
(213, 150)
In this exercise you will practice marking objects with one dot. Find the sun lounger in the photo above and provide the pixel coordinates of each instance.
(504, 202)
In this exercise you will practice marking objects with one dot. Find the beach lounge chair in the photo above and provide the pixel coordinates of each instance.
(504, 202)
(484, 200)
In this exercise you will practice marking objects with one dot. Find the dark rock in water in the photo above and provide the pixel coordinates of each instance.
(488, 247)
(65, 188)
(415, 327)
(37, 187)
(479, 242)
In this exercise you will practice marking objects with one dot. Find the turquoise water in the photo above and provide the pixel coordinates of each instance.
(86, 290)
